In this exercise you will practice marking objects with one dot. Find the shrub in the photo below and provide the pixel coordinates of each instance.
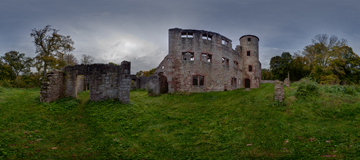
(307, 87)
(5, 83)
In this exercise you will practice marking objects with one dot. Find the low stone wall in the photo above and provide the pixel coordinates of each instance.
(267, 81)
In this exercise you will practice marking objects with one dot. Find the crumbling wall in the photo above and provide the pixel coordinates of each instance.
(53, 88)
(105, 81)
(279, 91)
(142, 81)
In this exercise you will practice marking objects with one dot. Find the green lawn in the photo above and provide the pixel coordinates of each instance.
(234, 124)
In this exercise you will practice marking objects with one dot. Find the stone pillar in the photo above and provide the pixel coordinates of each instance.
(287, 82)
(279, 91)
(52, 89)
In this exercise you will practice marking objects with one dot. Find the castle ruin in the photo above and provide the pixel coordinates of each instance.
(203, 61)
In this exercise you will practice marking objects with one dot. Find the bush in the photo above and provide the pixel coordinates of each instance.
(5, 83)
(306, 88)
(340, 89)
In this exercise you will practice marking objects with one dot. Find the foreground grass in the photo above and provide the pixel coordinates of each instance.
(215, 125)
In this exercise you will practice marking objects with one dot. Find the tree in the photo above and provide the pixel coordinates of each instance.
(139, 74)
(275, 66)
(50, 46)
(17, 62)
(68, 59)
(87, 59)
(324, 58)
(149, 73)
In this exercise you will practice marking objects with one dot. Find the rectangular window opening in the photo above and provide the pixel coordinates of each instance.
(225, 61)
(248, 53)
(198, 80)
(236, 64)
(250, 68)
(233, 81)
(195, 80)
(187, 35)
(201, 80)
(188, 56)
(249, 39)
(205, 57)
(224, 42)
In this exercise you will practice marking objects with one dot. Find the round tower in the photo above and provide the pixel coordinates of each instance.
(250, 61)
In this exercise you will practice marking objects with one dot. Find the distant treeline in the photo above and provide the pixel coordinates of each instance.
(328, 60)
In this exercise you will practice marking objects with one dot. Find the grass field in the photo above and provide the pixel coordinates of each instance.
(234, 124)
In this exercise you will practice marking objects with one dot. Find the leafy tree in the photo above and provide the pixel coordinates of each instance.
(50, 46)
(6, 73)
(275, 66)
(113, 63)
(266, 74)
(87, 59)
(149, 73)
(139, 74)
(17, 62)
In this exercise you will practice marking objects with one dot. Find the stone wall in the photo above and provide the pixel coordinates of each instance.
(267, 81)
(53, 88)
(105, 81)
(153, 85)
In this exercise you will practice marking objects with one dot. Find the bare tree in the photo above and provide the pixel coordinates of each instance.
(49, 45)
(87, 59)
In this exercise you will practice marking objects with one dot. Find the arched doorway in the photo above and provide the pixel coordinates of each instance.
(247, 83)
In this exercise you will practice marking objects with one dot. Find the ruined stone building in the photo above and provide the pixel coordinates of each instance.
(202, 61)
(105, 81)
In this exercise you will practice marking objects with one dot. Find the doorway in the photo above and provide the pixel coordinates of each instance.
(247, 83)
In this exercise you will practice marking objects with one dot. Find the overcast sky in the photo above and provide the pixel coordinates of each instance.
(137, 30)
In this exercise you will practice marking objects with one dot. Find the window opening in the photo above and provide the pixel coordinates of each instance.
(249, 39)
(198, 80)
(250, 68)
(207, 37)
(225, 61)
(162, 67)
(205, 57)
(233, 81)
(236, 64)
(188, 56)
(248, 53)
(224, 42)
(187, 35)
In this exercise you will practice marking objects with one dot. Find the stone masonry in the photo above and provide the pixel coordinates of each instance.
(202, 61)
(279, 91)
(105, 81)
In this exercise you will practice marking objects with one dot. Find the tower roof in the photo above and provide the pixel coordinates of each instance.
(249, 35)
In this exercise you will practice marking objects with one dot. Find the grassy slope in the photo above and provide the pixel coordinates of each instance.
(215, 125)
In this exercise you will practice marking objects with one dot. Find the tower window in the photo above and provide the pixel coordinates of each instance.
(249, 39)
(250, 68)
(188, 56)
(198, 80)
(248, 53)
